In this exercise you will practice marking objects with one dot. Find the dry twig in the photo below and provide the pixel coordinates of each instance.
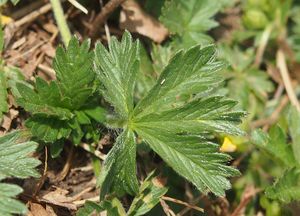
(183, 203)
(103, 15)
(262, 45)
(281, 64)
(62, 175)
(43, 178)
(249, 192)
(166, 208)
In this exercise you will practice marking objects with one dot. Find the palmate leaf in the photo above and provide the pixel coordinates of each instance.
(14, 162)
(177, 129)
(287, 187)
(189, 20)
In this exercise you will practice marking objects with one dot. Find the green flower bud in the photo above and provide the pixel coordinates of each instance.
(255, 19)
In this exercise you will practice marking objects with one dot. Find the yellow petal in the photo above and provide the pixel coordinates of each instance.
(227, 145)
(5, 20)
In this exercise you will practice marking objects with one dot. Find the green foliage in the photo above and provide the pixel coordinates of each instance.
(148, 196)
(62, 108)
(286, 188)
(258, 14)
(113, 207)
(253, 84)
(119, 172)
(189, 20)
(179, 131)
(14, 162)
(275, 145)
(117, 70)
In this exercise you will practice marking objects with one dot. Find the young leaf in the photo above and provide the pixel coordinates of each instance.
(275, 145)
(149, 195)
(60, 109)
(190, 20)
(286, 188)
(14, 162)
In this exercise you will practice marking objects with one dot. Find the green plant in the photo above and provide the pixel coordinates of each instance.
(14, 162)
(64, 108)
(148, 196)
(190, 20)
(178, 128)
(253, 83)
(286, 155)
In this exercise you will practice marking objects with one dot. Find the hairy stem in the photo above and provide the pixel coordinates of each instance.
(61, 21)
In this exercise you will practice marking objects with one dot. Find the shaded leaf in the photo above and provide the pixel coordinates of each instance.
(287, 187)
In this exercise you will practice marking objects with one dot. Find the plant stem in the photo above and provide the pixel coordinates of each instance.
(61, 21)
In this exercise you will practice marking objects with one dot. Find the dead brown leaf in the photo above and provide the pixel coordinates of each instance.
(8, 118)
(135, 19)
(36, 209)
(58, 195)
